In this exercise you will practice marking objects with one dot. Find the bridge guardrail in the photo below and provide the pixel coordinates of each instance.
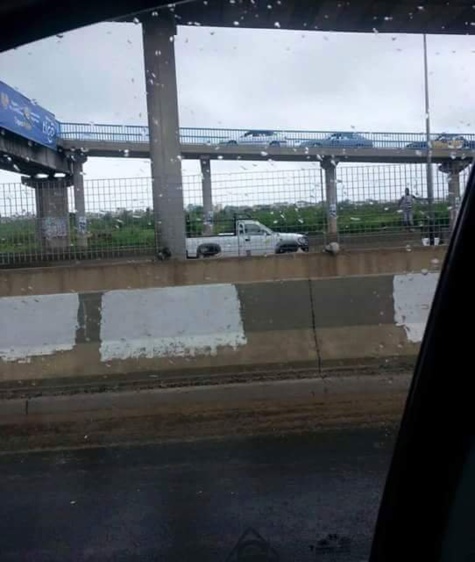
(192, 135)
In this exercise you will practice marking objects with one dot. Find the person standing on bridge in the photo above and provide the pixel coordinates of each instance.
(406, 203)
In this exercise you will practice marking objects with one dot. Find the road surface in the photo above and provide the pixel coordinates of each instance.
(192, 501)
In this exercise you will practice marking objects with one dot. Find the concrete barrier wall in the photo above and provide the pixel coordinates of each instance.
(103, 276)
(317, 323)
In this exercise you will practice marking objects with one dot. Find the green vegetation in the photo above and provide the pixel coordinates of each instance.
(130, 231)
(352, 218)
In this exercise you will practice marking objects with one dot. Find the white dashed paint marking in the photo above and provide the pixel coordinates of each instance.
(37, 325)
(413, 295)
(170, 322)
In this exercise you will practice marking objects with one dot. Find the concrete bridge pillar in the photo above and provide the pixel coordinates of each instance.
(165, 153)
(52, 211)
(329, 167)
(78, 161)
(206, 186)
(453, 168)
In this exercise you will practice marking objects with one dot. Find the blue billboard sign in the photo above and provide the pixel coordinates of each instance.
(24, 117)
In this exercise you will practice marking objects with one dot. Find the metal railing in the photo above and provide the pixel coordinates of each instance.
(120, 221)
(199, 136)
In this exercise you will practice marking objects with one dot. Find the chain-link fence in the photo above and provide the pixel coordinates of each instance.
(389, 205)
(41, 223)
(373, 208)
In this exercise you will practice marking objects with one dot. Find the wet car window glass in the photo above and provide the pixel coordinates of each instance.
(219, 244)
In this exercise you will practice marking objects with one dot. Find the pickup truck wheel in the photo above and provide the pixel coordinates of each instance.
(208, 250)
(287, 248)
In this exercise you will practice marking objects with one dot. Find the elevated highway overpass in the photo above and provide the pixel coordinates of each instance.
(294, 146)
(213, 144)
(77, 142)
(100, 149)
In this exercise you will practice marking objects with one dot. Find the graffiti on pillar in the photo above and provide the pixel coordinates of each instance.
(332, 211)
(82, 225)
(208, 218)
(55, 227)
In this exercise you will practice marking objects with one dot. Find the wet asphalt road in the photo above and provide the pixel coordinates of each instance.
(192, 501)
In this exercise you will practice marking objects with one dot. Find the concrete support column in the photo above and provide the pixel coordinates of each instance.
(162, 105)
(454, 194)
(79, 201)
(453, 169)
(52, 212)
(329, 166)
(208, 218)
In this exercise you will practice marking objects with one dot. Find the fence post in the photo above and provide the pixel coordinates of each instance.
(329, 166)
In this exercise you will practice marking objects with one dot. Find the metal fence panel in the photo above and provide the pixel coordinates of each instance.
(120, 219)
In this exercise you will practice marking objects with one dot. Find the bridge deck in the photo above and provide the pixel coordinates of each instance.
(256, 153)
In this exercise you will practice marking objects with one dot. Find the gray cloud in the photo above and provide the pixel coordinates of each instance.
(248, 78)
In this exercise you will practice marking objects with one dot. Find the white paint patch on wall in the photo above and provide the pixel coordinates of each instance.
(170, 322)
(37, 325)
(413, 295)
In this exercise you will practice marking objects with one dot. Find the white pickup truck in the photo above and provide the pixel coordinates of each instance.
(251, 238)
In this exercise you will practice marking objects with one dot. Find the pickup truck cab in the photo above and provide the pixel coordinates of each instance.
(250, 238)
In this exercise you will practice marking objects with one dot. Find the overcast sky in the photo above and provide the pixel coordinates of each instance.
(249, 79)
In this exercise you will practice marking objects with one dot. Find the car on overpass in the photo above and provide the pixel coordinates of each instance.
(340, 140)
(444, 141)
(259, 137)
